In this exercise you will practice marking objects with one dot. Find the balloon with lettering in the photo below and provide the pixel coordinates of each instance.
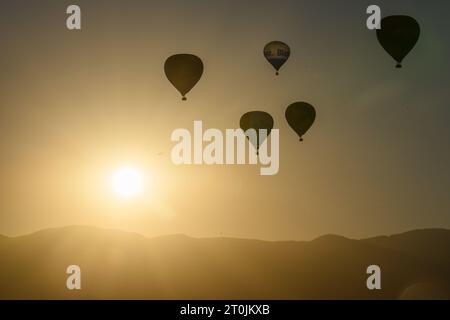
(398, 36)
(183, 71)
(277, 53)
(301, 117)
(257, 120)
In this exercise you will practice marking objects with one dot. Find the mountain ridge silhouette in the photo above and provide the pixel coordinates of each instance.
(124, 265)
(442, 231)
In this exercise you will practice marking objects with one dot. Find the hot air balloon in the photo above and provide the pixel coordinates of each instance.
(183, 71)
(300, 116)
(257, 120)
(277, 53)
(398, 36)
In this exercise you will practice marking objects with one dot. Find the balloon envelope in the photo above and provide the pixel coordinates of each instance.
(257, 120)
(301, 117)
(398, 36)
(183, 71)
(277, 53)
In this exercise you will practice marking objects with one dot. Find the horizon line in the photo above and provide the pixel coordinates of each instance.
(92, 227)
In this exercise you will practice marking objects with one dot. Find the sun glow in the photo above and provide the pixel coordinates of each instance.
(127, 182)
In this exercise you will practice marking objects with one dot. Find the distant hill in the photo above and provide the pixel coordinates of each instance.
(121, 265)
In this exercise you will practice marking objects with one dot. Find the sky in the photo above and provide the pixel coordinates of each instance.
(77, 105)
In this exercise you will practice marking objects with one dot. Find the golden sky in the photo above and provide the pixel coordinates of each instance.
(77, 105)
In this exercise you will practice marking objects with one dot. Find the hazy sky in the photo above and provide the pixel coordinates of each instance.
(75, 105)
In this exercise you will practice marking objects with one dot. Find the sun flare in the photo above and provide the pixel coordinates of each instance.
(127, 182)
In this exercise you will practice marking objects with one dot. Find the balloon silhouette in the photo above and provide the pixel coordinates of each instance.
(300, 116)
(398, 36)
(277, 53)
(183, 71)
(257, 120)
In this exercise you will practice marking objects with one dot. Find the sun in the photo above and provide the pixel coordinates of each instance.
(127, 182)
